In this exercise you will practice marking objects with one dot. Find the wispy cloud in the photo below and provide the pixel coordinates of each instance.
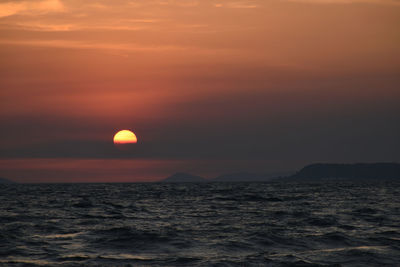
(384, 2)
(237, 4)
(52, 27)
(90, 45)
(38, 26)
(30, 7)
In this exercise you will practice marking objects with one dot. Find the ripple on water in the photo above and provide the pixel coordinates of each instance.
(223, 224)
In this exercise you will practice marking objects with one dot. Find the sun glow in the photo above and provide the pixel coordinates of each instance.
(125, 137)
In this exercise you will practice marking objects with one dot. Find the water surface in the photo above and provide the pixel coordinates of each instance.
(209, 224)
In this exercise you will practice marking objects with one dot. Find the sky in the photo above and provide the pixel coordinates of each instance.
(208, 86)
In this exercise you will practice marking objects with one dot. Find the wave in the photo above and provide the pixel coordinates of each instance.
(127, 236)
(218, 224)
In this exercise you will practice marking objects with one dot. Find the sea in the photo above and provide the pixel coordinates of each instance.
(203, 224)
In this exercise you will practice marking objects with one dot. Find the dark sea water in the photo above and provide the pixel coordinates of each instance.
(211, 224)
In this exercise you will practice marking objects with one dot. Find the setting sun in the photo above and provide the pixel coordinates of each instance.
(132, 130)
(125, 137)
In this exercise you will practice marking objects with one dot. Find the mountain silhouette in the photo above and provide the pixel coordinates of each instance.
(181, 177)
(313, 172)
(231, 177)
(358, 171)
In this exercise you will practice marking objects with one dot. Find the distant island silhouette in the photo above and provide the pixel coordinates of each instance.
(358, 171)
(181, 177)
(312, 172)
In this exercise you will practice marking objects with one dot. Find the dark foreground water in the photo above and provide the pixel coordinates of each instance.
(216, 224)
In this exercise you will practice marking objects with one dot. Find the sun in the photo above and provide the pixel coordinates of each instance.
(125, 137)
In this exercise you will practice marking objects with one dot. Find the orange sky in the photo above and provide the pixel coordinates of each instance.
(200, 79)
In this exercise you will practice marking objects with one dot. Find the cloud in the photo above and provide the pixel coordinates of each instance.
(128, 47)
(30, 7)
(90, 45)
(237, 4)
(67, 27)
(46, 27)
(384, 2)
